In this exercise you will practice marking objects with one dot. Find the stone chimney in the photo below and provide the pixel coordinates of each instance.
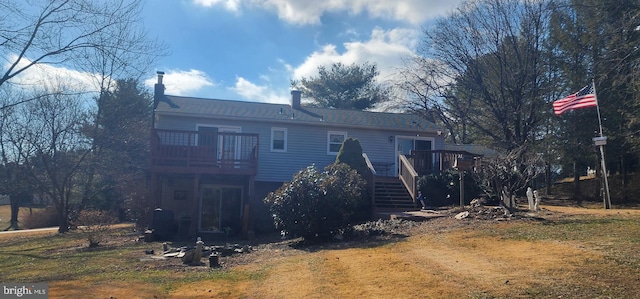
(158, 91)
(295, 99)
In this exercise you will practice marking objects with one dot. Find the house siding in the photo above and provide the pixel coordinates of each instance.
(306, 144)
(178, 187)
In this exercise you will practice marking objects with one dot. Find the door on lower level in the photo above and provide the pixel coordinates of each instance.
(221, 209)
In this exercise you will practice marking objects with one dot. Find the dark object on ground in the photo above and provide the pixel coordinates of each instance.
(164, 225)
(214, 261)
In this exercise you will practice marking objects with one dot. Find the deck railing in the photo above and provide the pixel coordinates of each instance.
(408, 176)
(370, 177)
(204, 151)
(436, 161)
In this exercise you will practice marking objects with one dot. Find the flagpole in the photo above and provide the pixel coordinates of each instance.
(601, 142)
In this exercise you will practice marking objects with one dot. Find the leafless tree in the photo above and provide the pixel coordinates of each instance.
(424, 90)
(101, 38)
(506, 174)
(12, 175)
(69, 33)
(47, 136)
(130, 55)
(481, 71)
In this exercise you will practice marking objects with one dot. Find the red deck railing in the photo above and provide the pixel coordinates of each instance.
(204, 152)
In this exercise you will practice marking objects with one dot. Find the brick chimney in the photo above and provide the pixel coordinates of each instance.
(158, 91)
(295, 99)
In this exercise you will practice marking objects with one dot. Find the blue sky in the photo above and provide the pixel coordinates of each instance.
(251, 49)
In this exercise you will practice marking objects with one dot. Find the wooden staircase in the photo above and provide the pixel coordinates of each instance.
(391, 195)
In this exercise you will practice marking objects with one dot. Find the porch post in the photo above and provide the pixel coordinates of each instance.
(155, 194)
(156, 198)
(195, 212)
(247, 220)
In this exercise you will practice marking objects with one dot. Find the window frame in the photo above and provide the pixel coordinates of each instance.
(329, 143)
(271, 147)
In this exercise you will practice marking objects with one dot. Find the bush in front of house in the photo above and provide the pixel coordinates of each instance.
(315, 204)
(351, 154)
(94, 225)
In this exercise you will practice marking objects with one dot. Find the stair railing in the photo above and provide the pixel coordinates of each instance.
(369, 164)
(408, 176)
(371, 180)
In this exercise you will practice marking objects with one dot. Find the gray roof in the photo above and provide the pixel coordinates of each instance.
(202, 107)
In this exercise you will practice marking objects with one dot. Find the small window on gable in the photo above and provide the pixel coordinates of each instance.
(278, 139)
(334, 141)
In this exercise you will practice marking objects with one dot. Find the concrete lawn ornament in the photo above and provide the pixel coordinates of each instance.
(530, 198)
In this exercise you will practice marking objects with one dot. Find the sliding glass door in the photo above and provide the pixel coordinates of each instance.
(221, 209)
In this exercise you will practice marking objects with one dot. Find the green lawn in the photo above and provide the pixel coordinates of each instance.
(5, 216)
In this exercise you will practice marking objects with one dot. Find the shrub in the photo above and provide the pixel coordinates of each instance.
(137, 208)
(316, 205)
(94, 224)
(444, 188)
(39, 218)
(349, 187)
(351, 154)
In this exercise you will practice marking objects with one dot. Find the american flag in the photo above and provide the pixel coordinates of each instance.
(584, 98)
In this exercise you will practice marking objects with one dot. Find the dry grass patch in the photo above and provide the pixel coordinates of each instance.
(560, 252)
(5, 216)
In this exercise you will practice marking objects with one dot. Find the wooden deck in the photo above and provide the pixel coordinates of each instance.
(176, 151)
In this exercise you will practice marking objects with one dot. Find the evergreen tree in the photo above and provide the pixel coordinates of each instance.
(344, 86)
(121, 145)
(597, 40)
(351, 154)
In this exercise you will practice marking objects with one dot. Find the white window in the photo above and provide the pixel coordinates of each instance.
(278, 139)
(334, 141)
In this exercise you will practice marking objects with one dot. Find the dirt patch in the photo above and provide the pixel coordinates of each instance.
(591, 210)
(268, 248)
(437, 258)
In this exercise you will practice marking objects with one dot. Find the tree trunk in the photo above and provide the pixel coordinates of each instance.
(576, 183)
(547, 177)
(63, 218)
(63, 224)
(625, 180)
(15, 208)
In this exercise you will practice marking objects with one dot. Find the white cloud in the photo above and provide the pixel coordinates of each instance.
(179, 82)
(232, 5)
(51, 77)
(311, 11)
(384, 48)
(258, 93)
